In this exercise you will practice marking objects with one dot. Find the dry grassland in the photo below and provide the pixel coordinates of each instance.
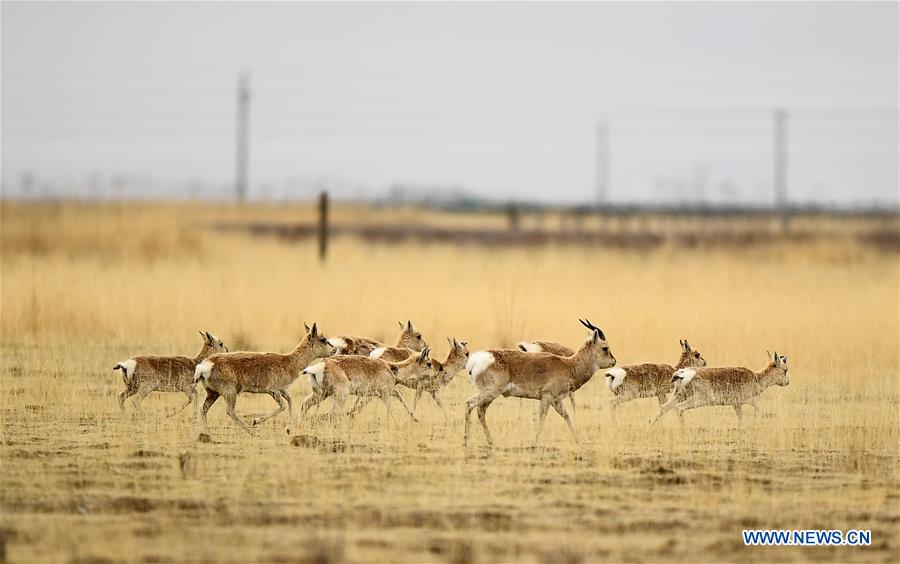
(87, 285)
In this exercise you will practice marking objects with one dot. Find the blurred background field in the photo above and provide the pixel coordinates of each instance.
(85, 285)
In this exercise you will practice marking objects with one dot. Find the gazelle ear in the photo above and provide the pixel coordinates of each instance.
(202, 334)
(687, 346)
(409, 326)
(596, 336)
(400, 323)
(313, 331)
(209, 338)
(455, 343)
(305, 326)
(424, 354)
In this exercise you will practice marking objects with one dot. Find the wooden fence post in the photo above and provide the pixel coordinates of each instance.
(323, 226)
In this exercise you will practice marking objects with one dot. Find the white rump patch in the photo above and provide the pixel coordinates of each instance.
(338, 343)
(316, 374)
(683, 377)
(478, 363)
(614, 378)
(377, 352)
(129, 366)
(530, 347)
(203, 371)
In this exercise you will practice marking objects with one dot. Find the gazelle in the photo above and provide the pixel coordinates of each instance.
(229, 374)
(445, 371)
(552, 348)
(409, 338)
(540, 376)
(342, 375)
(145, 374)
(647, 380)
(698, 387)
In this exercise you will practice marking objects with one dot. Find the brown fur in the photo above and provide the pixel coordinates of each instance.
(166, 374)
(724, 386)
(552, 348)
(649, 380)
(541, 376)
(408, 338)
(395, 354)
(342, 375)
(446, 371)
(259, 373)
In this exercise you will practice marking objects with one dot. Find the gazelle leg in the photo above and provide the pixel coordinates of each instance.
(437, 399)
(399, 397)
(670, 404)
(542, 414)
(482, 412)
(740, 414)
(416, 400)
(314, 398)
(561, 409)
(230, 401)
(142, 393)
(211, 398)
(276, 395)
(192, 395)
(476, 401)
(614, 402)
(386, 399)
(358, 405)
(290, 403)
(126, 393)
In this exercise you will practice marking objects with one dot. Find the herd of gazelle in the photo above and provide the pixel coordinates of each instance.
(339, 367)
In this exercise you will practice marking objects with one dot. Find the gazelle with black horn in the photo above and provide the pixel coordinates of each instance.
(539, 376)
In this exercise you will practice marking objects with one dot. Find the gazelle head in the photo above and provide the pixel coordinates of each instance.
(690, 356)
(601, 356)
(316, 342)
(778, 368)
(410, 337)
(456, 360)
(212, 343)
(416, 368)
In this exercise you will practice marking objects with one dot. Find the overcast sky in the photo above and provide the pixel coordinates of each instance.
(499, 99)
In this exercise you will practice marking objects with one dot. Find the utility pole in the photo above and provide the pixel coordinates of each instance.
(243, 109)
(601, 141)
(780, 166)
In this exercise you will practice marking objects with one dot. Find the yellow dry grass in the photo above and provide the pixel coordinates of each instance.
(87, 285)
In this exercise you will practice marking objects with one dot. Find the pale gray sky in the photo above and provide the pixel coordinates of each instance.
(500, 99)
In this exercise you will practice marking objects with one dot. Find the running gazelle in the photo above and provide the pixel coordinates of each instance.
(341, 375)
(445, 371)
(408, 338)
(553, 348)
(699, 387)
(540, 376)
(229, 374)
(145, 374)
(648, 380)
